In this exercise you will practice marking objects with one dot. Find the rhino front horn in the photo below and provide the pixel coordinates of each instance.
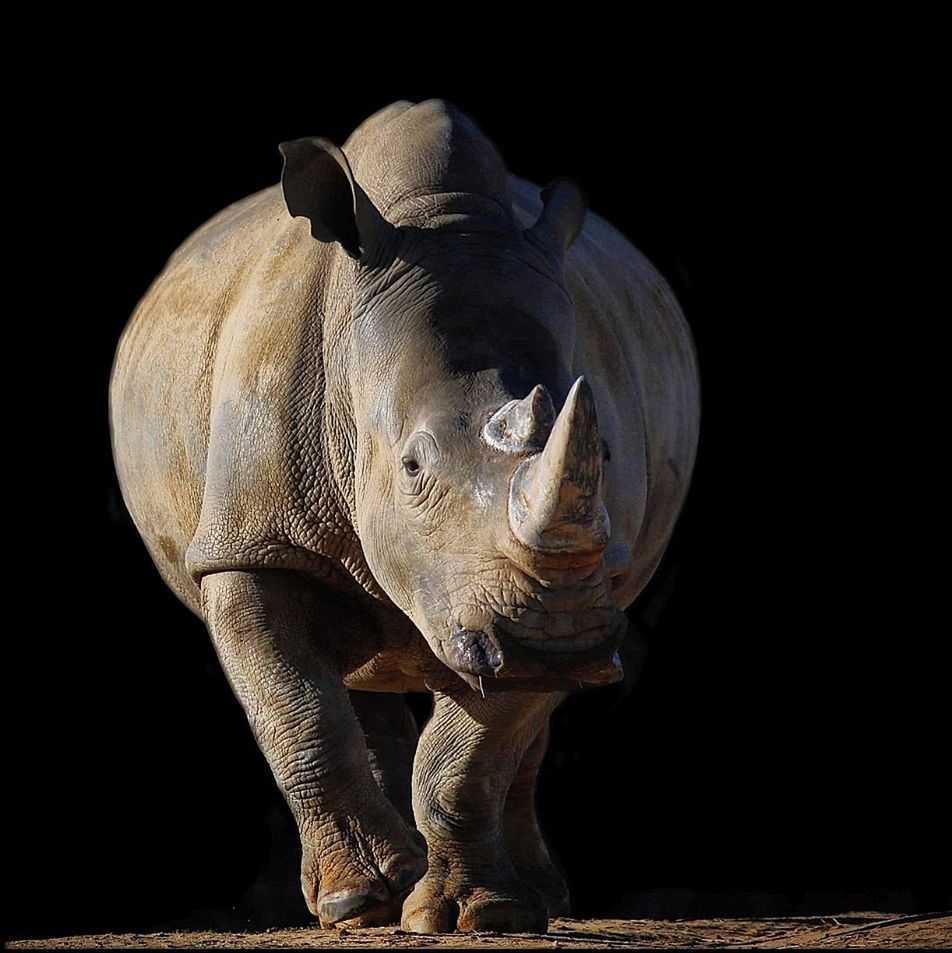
(555, 499)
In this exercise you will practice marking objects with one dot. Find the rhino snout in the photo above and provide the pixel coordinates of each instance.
(473, 653)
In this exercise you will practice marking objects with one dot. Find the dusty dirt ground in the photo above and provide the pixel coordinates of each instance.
(850, 931)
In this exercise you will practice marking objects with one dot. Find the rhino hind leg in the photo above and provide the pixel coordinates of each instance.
(359, 856)
(468, 756)
(391, 736)
(524, 839)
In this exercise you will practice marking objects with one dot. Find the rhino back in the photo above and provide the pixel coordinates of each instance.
(217, 401)
(633, 345)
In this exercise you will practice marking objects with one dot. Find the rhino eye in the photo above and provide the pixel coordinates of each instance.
(419, 452)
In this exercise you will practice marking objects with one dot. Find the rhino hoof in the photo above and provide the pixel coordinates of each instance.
(513, 909)
(503, 916)
(432, 916)
(349, 903)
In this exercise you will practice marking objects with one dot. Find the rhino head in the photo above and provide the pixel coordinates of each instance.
(476, 459)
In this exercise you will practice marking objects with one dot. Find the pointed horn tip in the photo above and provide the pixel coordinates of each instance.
(579, 413)
(540, 401)
(580, 390)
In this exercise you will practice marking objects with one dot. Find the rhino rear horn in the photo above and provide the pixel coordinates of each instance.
(319, 185)
(522, 426)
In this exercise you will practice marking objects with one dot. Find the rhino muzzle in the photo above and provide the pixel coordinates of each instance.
(509, 657)
(473, 653)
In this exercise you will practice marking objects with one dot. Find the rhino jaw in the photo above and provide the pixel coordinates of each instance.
(594, 673)
(474, 654)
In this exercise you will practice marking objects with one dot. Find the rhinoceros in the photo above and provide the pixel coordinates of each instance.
(405, 422)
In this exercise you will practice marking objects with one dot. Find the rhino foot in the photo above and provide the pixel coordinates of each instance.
(441, 904)
(352, 880)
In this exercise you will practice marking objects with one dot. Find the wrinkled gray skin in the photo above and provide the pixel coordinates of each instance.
(431, 433)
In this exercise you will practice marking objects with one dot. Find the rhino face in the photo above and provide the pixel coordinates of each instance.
(483, 521)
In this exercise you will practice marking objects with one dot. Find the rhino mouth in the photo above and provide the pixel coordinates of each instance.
(473, 653)
(507, 656)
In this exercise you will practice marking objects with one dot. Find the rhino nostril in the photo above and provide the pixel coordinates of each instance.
(473, 652)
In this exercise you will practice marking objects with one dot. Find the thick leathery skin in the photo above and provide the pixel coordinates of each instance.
(319, 424)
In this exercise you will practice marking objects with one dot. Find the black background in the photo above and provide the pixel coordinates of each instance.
(782, 749)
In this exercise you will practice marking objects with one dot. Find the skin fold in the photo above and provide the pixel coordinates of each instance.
(405, 423)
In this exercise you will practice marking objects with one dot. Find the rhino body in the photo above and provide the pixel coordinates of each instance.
(431, 434)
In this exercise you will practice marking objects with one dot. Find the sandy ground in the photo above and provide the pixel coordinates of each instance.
(851, 930)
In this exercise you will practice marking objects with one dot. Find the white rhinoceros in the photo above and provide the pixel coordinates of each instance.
(354, 420)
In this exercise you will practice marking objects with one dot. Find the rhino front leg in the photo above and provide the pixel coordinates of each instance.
(468, 755)
(359, 857)
(524, 839)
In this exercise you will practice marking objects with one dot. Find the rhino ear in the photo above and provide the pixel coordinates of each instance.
(563, 213)
(318, 183)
